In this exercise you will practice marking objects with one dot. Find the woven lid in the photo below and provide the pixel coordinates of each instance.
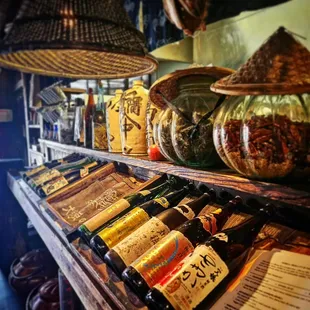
(280, 66)
(168, 84)
(90, 39)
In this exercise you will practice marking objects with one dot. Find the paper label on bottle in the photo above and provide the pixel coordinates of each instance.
(54, 186)
(133, 246)
(163, 257)
(163, 202)
(209, 223)
(45, 177)
(85, 171)
(193, 279)
(35, 170)
(107, 214)
(144, 193)
(186, 211)
(123, 227)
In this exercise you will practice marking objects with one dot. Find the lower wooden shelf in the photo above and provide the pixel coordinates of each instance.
(96, 286)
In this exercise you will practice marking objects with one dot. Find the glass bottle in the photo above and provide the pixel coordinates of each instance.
(88, 120)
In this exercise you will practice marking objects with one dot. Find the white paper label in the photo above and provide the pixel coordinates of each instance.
(275, 280)
(193, 279)
(141, 240)
(186, 211)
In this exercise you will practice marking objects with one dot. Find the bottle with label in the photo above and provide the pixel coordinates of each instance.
(113, 125)
(57, 171)
(195, 277)
(88, 120)
(91, 227)
(118, 230)
(153, 265)
(33, 172)
(100, 139)
(67, 178)
(142, 239)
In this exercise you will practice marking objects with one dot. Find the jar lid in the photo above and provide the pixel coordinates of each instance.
(280, 66)
(168, 85)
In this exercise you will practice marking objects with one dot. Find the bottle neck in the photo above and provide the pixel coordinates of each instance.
(175, 197)
(198, 204)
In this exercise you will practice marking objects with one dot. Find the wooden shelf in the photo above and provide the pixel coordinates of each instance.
(296, 195)
(92, 283)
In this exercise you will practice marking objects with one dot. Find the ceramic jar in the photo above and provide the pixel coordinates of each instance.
(133, 120)
(113, 124)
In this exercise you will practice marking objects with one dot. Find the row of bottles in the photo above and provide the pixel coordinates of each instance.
(122, 126)
(55, 175)
(164, 252)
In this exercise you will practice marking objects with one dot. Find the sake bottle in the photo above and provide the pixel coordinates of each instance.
(91, 227)
(197, 276)
(118, 230)
(159, 226)
(152, 266)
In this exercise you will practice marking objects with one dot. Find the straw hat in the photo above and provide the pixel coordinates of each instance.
(280, 66)
(168, 84)
(76, 39)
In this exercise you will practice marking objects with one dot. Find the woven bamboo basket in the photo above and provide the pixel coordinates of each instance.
(76, 39)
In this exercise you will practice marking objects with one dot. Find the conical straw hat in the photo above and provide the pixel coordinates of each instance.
(280, 66)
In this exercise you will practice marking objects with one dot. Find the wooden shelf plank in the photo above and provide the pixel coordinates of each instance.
(226, 179)
(90, 289)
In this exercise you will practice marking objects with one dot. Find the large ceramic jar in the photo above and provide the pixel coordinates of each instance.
(266, 136)
(133, 120)
(192, 123)
(113, 125)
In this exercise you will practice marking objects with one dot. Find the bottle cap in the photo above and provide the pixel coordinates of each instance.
(90, 91)
(138, 83)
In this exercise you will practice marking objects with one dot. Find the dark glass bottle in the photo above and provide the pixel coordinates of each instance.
(136, 244)
(81, 168)
(36, 171)
(91, 227)
(120, 229)
(88, 120)
(205, 268)
(66, 179)
(57, 171)
(149, 268)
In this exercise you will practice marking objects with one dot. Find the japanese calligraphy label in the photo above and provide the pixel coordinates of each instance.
(163, 257)
(55, 185)
(163, 202)
(35, 170)
(133, 107)
(209, 223)
(46, 176)
(103, 201)
(144, 193)
(186, 211)
(121, 228)
(141, 240)
(106, 215)
(193, 279)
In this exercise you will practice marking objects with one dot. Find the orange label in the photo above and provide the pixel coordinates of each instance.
(209, 223)
(163, 257)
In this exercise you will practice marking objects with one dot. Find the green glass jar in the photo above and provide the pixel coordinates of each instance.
(192, 129)
(266, 136)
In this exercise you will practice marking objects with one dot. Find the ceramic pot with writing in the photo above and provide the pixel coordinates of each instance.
(113, 125)
(133, 120)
